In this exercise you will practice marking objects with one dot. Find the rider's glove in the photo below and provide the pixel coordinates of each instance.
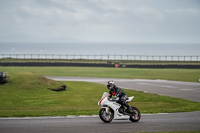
(115, 97)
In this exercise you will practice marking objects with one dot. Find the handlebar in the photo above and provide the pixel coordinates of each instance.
(113, 99)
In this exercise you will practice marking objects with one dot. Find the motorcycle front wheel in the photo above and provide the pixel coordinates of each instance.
(135, 117)
(106, 116)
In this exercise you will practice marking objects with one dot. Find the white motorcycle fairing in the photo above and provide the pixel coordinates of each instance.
(106, 103)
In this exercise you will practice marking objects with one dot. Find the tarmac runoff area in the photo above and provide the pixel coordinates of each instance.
(184, 90)
(188, 121)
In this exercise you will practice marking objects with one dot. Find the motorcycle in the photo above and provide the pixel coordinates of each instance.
(111, 109)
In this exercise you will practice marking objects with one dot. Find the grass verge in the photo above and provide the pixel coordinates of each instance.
(191, 75)
(27, 94)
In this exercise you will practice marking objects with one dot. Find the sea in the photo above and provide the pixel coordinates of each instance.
(101, 49)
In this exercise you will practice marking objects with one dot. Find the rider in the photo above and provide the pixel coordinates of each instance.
(118, 92)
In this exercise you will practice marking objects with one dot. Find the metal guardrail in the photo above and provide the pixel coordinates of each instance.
(102, 57)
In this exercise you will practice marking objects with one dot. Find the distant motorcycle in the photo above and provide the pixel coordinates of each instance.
(110, 110)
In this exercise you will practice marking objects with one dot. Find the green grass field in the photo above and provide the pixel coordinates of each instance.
(191, 75)
(27, 93)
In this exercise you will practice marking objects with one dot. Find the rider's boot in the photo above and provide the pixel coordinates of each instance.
(128, 110)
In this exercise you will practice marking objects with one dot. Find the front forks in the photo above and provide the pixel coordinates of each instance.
(107, 110)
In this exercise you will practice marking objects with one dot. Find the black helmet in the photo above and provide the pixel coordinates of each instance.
(111, 84)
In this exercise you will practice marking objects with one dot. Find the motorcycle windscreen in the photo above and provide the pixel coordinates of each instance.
(105, 94)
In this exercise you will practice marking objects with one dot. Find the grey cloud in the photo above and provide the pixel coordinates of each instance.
(100, 21)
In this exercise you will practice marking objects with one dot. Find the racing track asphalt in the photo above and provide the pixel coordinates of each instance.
(185, 90)
(189, 121)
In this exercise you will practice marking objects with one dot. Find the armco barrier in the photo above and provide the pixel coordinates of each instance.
(165, 66)
(38, 64)
(54, 64)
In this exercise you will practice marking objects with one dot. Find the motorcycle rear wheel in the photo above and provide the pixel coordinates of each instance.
(106, 117)
(135, 117)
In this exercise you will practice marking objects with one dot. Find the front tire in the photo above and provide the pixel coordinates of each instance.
(135, 117)
(106, 117)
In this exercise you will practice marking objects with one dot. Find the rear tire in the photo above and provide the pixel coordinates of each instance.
(135, 117)
(106, 117)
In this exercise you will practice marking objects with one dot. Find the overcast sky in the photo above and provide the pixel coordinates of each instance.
(109, 21)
